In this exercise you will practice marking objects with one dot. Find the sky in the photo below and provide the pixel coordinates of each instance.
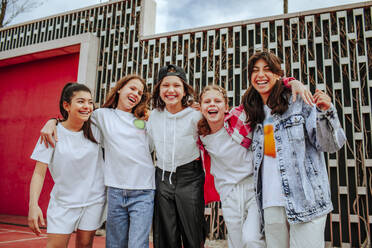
(172, 15)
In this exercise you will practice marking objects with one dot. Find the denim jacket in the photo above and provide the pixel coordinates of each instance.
(301, 136)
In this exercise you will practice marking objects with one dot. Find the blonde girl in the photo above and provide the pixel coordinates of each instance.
(232, 168)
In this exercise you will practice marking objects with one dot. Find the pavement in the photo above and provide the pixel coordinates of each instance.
(14, 233)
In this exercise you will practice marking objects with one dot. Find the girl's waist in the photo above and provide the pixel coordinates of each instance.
(195, 164)
(170, 166)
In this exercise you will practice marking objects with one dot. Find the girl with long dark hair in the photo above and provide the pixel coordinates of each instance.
(289, 139)
(78, 196)
(128, 168)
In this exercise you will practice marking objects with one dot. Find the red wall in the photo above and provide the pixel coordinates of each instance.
(29, 95)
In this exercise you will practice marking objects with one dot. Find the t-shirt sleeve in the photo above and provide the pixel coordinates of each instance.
(42, 154)
(95, 117)
(149, 134)
(97, 134)
(97, 120)
(197, 115)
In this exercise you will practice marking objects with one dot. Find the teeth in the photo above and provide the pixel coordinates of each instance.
(132, 99)
(171, 98)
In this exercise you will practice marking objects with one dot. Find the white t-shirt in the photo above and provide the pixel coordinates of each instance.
(174, 137)
(231, 163)
(76, 168)
(272, 193)
(128, 162)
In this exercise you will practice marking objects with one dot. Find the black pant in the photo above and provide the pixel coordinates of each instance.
(179, 208)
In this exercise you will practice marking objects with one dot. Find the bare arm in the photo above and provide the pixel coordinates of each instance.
(48, 132)
(35, 215)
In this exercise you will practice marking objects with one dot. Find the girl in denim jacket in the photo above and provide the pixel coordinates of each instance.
(291, 180)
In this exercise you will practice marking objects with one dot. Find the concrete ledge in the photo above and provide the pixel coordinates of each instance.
(86, 44)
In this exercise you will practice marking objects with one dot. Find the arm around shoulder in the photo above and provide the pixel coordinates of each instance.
(149, 134)
(48, 132)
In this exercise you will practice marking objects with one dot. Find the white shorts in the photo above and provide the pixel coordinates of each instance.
(64, 220)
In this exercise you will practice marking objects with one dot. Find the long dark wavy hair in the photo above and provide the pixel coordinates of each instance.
(203, 126)
(278, 98)
(66, 96)
(141, 109)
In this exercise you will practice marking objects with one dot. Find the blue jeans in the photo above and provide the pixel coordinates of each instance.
(129, 217)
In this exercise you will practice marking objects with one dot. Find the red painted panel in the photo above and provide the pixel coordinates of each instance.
(29, 94)
(40, 55)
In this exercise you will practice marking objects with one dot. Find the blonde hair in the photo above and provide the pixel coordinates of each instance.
(203, 126)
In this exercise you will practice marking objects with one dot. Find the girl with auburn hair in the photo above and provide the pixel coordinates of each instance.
(141, 109)
(232, 168)
(78, 196)
(291, 180)
(129, 170)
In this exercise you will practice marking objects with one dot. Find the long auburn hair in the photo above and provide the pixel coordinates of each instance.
(203, 126)
(278, 99)
(67, 94)
(186, 101)
(141, 109)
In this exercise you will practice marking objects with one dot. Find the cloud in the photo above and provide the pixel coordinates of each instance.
(53, 7)
(172, 15)
(184, 14)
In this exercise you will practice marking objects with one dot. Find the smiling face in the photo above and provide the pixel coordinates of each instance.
(80, 106)
(263, 79)
(171, 92)
(130, 95)
(213, 108)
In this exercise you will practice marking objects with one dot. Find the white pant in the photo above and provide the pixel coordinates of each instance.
(242, 218)
(280, 234)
